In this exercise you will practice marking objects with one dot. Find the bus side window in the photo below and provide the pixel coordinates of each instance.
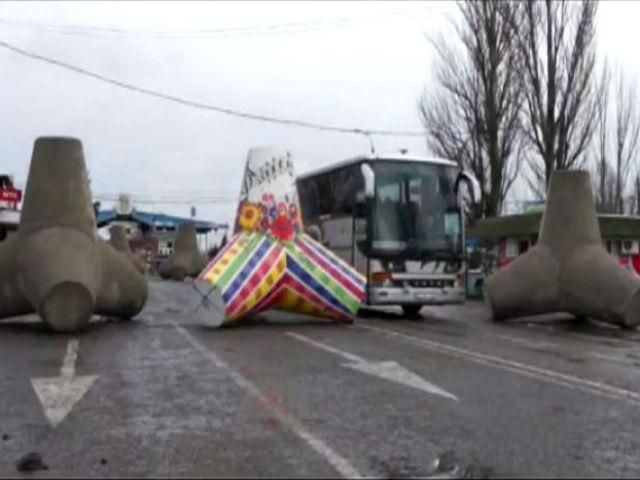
(308, 200)
(324, 194)
(348, 182)
(331, 194)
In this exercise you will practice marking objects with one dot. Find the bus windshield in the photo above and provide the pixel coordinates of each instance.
(416, 211)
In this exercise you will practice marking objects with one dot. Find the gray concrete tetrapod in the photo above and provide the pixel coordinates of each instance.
(568, 270)
(185, 261)
(118, 240)
(56, 265)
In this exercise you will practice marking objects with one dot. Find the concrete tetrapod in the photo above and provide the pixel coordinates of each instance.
(185, 261)
(568, 270)
(118, 240)
(56, 265)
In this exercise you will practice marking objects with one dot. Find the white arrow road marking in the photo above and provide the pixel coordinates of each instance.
(388, 370)
(58, 395)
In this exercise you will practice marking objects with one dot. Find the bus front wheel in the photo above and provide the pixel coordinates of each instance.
(411, 311)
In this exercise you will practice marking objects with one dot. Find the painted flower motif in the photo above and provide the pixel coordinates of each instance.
(268, 200)
(293, 215)
(250, 215)
(282, 209)
(282, 229)
(264, 218)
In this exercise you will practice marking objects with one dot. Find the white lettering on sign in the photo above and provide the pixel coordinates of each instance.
(10, 195)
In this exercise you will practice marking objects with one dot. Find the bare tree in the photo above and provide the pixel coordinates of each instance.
(557, 51)
(603, 179)
(637, 197)
(617, 142)
(472, 114)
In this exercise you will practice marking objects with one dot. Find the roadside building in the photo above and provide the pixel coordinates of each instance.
(504, 238)
(10, 198)
(152, 235)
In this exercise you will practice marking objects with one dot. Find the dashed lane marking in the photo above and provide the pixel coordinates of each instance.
(542, 374)
(341, 464)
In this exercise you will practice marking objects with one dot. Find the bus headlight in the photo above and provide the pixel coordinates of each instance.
(381, 279)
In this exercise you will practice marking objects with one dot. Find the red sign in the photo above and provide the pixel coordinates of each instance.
(10, 195)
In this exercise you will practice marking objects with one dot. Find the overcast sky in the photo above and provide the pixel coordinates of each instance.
(353, 64)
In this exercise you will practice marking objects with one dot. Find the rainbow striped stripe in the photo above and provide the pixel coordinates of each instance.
(256, 272)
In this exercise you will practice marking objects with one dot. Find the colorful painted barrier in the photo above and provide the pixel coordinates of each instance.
(269, 263)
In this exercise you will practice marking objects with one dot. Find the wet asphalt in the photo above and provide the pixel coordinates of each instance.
(277, 397)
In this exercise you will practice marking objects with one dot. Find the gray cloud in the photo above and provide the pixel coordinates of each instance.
(366, 71)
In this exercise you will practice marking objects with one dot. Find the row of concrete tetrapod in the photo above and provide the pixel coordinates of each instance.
(56, 265)
(185, 260)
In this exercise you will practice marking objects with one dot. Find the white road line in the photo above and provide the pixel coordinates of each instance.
(549, 376)
(323, 346)
(535, 345)
(612, 358)
(341, 464)
(585, 337)
(387, 370)
(528, 342)
(68, 369)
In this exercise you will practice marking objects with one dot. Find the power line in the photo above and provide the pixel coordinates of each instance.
(180, 192)
(200, 105)
(213, 32)
(184, 196)
(86, 31)
(163, 201)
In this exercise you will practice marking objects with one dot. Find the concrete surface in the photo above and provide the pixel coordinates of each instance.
(550, 398)
(185, 261)
(119, 241)
(56, 265)
(568, 270)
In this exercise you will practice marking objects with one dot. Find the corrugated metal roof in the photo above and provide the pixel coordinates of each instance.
(523, 225)
(150, 219)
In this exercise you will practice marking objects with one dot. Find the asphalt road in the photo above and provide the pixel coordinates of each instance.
(447, 396)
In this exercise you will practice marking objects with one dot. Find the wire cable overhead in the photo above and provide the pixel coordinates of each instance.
(202, 105)
(210, 32)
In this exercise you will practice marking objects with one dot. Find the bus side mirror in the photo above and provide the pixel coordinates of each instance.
(369, 180)
(472, 185)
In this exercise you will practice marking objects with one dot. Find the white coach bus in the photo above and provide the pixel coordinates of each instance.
(398, 220)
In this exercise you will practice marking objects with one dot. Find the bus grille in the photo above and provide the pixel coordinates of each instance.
(424, 283)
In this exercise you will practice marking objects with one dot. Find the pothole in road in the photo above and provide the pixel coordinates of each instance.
(397, 467)
(445, 466)
(31, 462)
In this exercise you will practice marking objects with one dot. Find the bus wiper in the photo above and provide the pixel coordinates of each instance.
(436, 253)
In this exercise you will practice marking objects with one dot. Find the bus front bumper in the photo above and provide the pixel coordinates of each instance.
(415, 296)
